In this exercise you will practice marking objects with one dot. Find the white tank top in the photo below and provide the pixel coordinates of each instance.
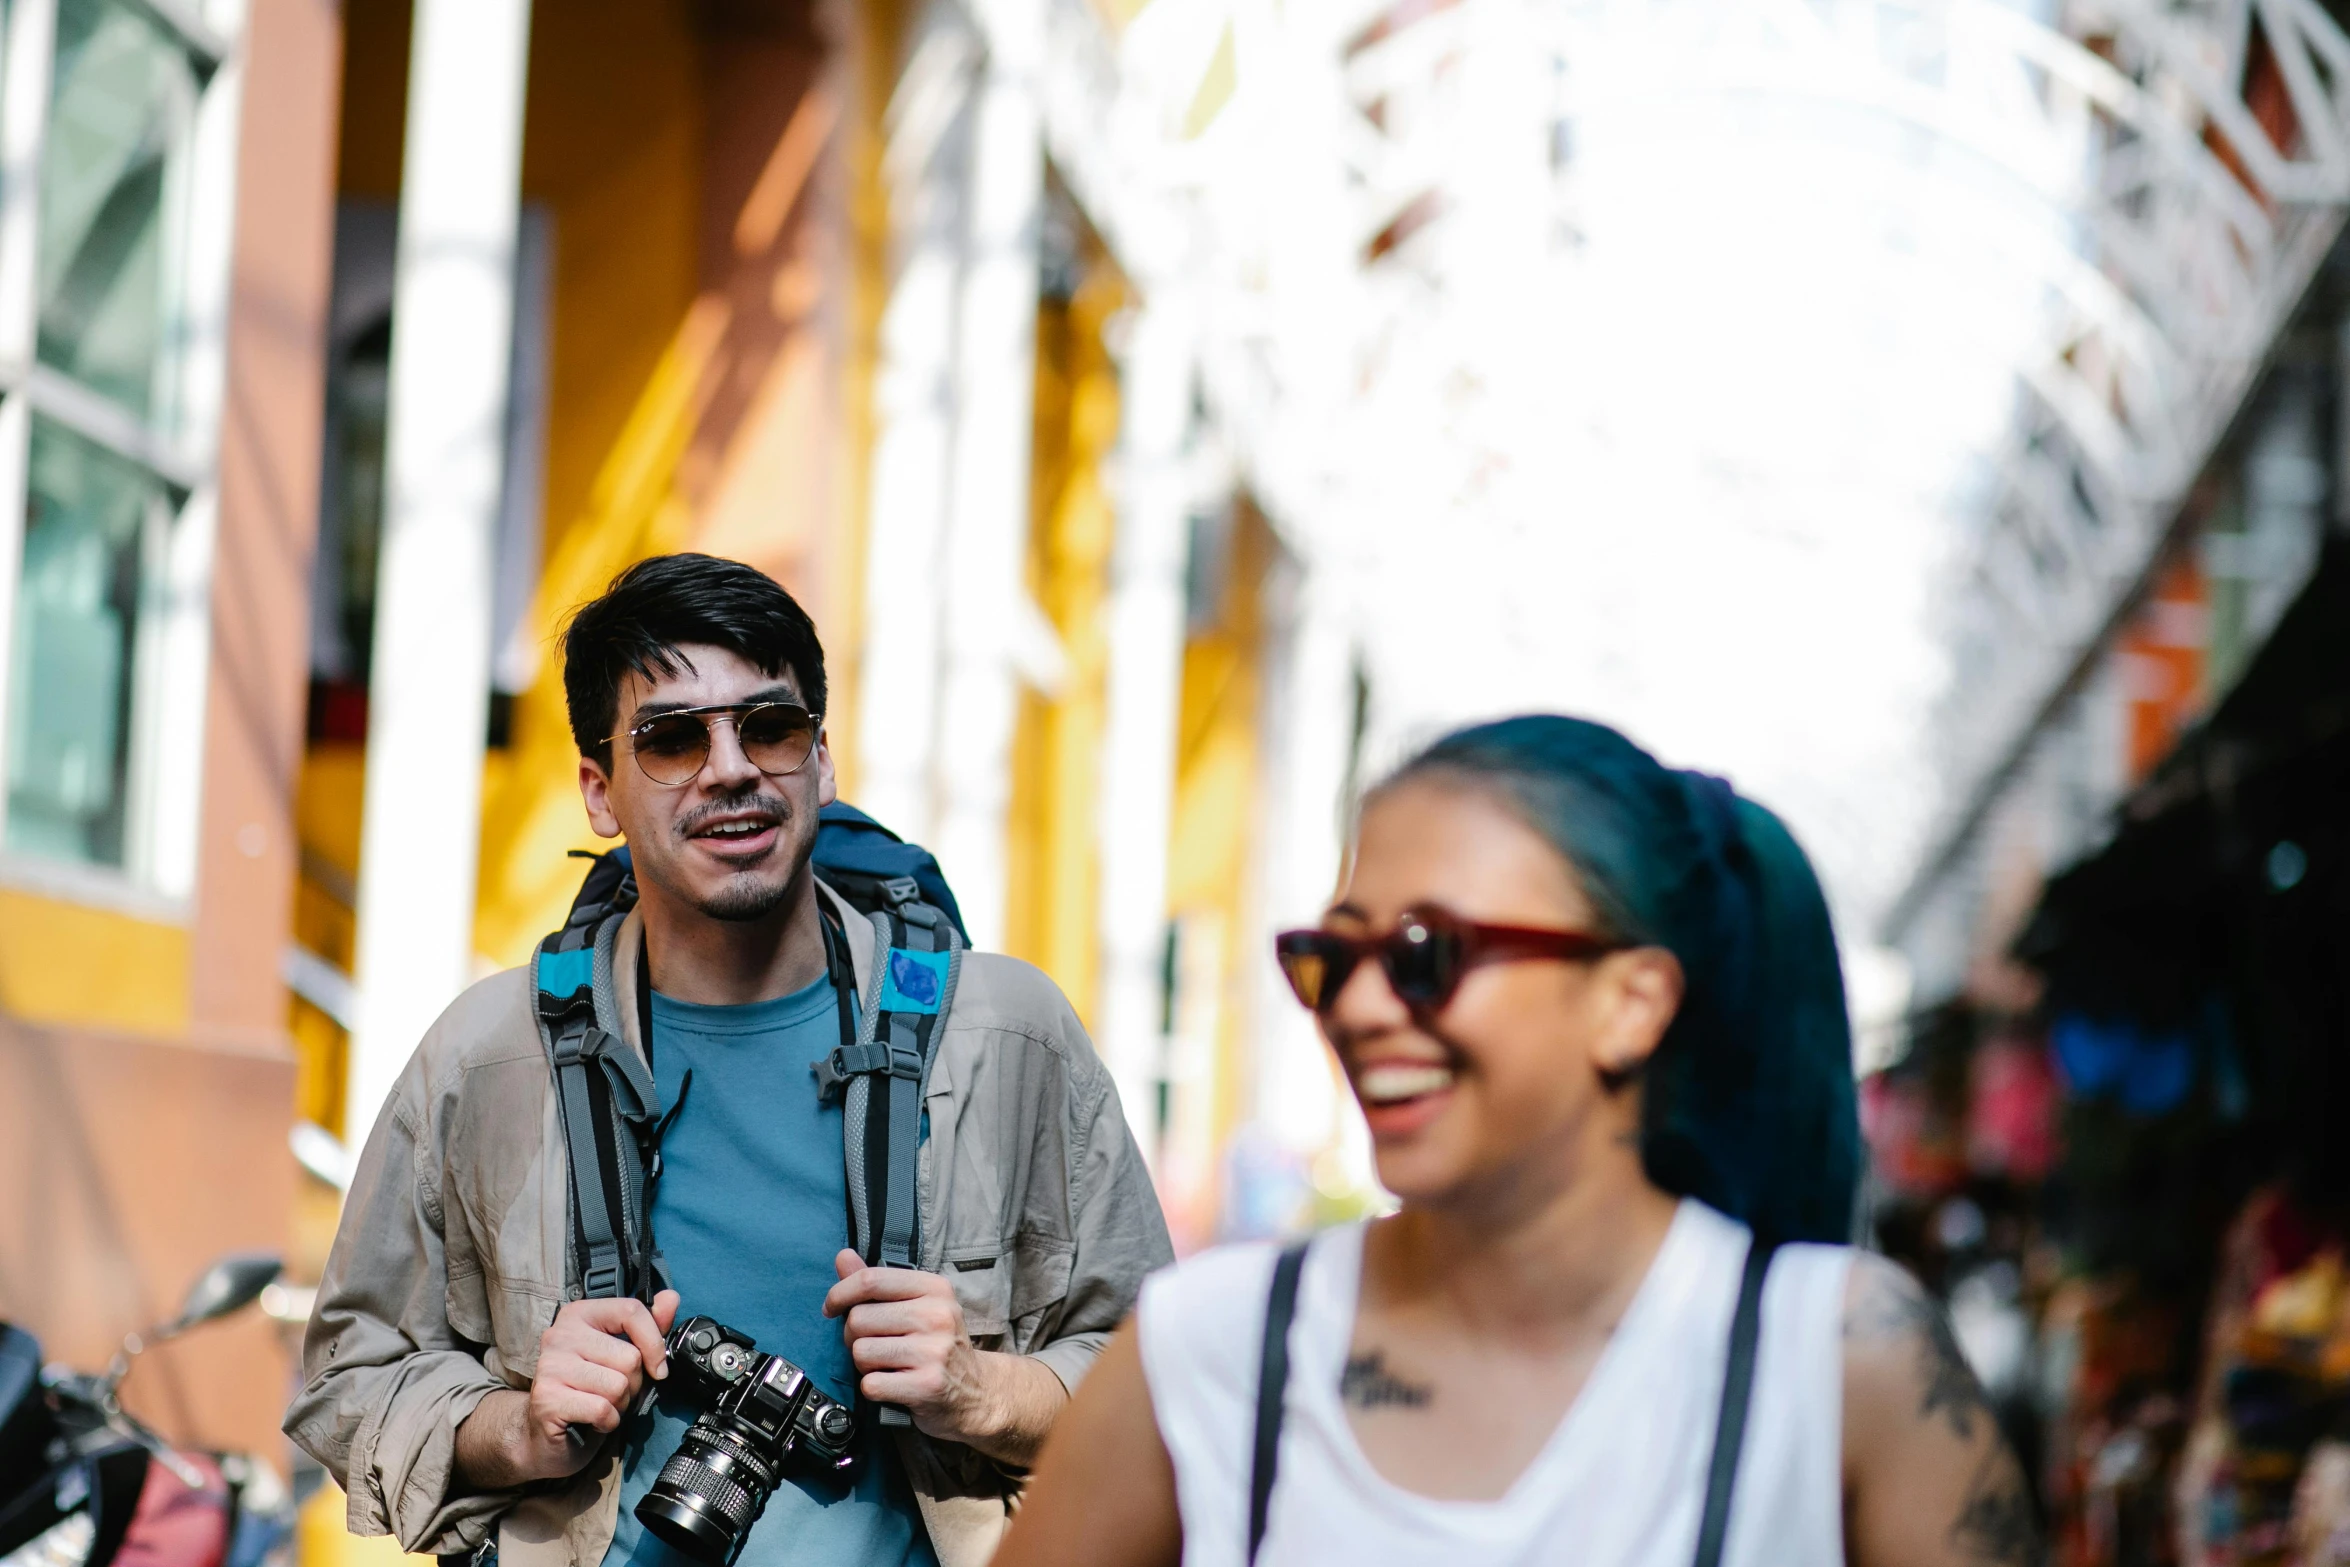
(1619, 1483)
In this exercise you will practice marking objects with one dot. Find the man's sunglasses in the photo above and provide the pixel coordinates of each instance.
(777, 738)
(1425, 956)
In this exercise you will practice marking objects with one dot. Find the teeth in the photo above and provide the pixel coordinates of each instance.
(1388, 1084)
(736, 829)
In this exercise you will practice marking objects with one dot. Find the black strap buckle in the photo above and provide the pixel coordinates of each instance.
(833, 1071)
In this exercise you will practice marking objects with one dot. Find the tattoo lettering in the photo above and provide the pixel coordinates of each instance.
(1368, 1384)
(1995, 1524)
(1947, 1385)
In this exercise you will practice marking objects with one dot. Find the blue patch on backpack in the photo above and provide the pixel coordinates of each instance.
(916, 981)
(567, 973)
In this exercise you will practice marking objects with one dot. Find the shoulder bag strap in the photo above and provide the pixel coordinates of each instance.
(1737, 1389)
(1272, 1385)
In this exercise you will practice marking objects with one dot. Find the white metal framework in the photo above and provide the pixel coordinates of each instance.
(1971, 276)
(2218, 179)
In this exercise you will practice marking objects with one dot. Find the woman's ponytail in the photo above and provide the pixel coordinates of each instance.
(1748, 1104)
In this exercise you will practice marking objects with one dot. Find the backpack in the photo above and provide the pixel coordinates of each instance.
(611, 1111)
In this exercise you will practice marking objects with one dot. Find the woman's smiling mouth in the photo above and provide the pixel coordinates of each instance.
(1401, 1097)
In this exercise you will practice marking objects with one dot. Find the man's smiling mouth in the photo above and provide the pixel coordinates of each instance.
(735, 824)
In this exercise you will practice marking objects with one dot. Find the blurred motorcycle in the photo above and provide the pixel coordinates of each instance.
(84, 1484)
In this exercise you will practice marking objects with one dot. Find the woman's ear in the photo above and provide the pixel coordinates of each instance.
(1639, 992)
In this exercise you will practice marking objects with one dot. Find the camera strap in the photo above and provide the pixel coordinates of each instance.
(1721, 1477)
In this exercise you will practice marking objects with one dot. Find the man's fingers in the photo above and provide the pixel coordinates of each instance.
(665, 1310)
(606, 1382)
(624, 1319)
(897, 1317)
(846, 1262)
(904, 1388)
(900, 1352)
(559, 1405)
(871, 1284)
(601, 1349)
(638, 1323)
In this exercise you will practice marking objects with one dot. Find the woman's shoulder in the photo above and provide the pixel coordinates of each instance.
(1213, 1303)
(1236, 1274)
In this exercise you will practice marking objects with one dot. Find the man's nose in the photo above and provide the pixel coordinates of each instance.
(728, 767)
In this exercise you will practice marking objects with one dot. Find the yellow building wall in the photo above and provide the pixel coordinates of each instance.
(612, 146)
(1051, 897)
(1218, 775)
(67, 962)
(703, 339)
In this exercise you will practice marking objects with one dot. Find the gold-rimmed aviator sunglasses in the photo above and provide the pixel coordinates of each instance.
(672, 747)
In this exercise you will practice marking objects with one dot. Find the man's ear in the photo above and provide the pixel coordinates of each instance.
(1640, 991)
(595, 792)
(827, 783)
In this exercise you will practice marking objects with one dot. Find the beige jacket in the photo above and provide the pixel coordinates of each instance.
(450, 1260)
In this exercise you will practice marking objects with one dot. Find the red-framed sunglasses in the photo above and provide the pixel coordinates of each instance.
(1425, 956)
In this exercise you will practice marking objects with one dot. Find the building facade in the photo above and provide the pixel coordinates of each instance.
(356, 345)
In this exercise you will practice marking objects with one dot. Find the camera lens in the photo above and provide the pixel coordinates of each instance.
(708, 1495)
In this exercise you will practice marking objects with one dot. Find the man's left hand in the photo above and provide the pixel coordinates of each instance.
(905, 1333)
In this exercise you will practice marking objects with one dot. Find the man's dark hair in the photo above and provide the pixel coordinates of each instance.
(659, 605)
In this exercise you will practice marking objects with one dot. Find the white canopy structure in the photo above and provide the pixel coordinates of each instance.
(1731, 369)
(1805, 386)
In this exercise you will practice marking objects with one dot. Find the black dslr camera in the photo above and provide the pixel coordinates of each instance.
(762, 1409)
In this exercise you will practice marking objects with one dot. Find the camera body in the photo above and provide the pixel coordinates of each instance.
(762, 1410)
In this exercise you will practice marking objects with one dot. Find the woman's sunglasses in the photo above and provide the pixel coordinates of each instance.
(777, 738)
(1425, 956)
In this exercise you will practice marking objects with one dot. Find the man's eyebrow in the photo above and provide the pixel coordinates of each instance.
(1350, 910)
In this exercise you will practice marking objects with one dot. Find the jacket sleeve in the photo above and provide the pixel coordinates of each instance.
(385, 1380)
(1120, 1230)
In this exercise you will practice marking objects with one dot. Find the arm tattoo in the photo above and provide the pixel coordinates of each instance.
(1995, 1525)
(1368, 1384)
(1947, 1385)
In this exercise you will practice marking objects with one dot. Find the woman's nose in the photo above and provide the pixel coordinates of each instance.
(1366, 1001)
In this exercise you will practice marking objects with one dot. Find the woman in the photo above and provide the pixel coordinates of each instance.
(1592, 1013)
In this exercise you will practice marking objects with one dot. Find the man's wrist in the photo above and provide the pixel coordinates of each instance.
(1008, 1405)
(491, 1450)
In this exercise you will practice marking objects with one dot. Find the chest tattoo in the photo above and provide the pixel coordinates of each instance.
(1368, 1384)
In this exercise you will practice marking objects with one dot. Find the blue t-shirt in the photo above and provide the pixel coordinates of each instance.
(751, 1208)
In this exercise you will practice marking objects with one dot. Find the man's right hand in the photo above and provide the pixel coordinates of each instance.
(593, 1360)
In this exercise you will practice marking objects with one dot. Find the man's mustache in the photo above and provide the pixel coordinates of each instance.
(701, 816)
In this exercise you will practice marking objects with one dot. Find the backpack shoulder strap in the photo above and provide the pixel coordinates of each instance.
(1737, 1389)
(1272, 1388)
(918, 958)
(607, 1104)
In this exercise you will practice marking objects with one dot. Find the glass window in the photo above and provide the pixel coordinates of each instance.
(123, 101)
(92, 521)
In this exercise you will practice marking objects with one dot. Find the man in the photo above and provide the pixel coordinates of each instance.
(451, 1381)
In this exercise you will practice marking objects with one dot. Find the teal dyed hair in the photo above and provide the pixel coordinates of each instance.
(1748, 1103)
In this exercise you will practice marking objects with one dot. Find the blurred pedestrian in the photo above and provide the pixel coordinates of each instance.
(1592, 1011)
